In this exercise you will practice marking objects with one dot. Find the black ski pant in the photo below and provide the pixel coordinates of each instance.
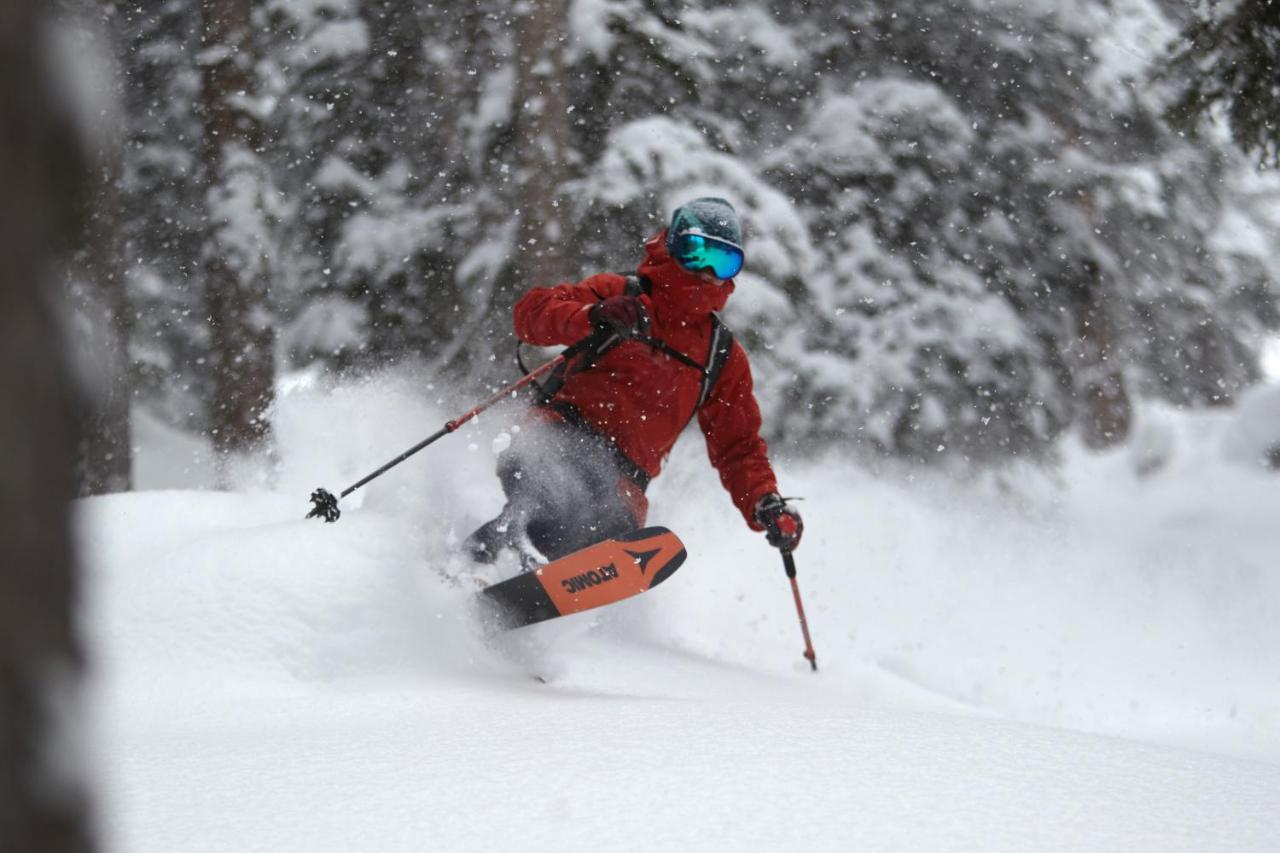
(564, 486)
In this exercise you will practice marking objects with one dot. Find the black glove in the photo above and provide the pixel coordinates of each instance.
(781, 522)
(625, 316)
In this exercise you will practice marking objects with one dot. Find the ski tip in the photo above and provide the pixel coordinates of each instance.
(676, 561)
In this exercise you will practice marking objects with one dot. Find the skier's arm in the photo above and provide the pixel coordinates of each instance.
(546, 316)
(730, 420)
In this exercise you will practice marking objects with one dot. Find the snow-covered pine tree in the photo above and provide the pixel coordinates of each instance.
(1010, 232)
(1228, 60)
(970, 227)
(160, 208)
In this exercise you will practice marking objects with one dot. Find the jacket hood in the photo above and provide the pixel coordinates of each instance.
(677, 292)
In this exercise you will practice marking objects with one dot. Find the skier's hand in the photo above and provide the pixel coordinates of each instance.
(624, 315)
(781, 522)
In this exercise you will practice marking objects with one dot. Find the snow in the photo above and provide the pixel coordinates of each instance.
(167, 458)
(589, 26)
(332, 41)
(377, 242)
(338, 175)
(1271, 359)
(244, 207)
(1252, 437)
(312, 12)
(325, 326)
(1238, 233)
(494, 107)
(1128, 38)
(1006, 665)
(753, 25)
(882, 122)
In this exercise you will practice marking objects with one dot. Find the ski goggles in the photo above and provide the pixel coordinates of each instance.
(696, 251)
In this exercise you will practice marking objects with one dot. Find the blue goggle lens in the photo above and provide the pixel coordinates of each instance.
(695, 252)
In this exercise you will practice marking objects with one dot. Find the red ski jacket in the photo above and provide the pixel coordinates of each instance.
(642, 398)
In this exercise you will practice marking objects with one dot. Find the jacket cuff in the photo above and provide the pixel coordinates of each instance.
(748, 506)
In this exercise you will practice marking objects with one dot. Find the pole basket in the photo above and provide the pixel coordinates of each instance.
(324, 505)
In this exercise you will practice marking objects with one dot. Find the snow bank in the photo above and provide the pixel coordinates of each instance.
(325, 687)
(1113, 604)
(1124, 595)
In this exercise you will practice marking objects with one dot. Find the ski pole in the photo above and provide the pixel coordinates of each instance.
(325, 504)
(789, 563)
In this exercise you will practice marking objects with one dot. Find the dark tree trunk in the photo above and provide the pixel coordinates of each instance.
(1108, 412)
(235, 278)
(42, 172)
(99, 293)
(542, 142)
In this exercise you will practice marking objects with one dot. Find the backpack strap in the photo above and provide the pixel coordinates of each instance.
(718, 352)
(586, 352)
(717, 357)
(577, 357)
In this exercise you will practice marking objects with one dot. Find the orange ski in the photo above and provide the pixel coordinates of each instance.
(600, 574)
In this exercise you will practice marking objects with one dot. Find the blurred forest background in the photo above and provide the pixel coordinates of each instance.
(973, 225)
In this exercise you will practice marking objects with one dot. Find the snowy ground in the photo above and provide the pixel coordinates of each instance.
(1093, 665)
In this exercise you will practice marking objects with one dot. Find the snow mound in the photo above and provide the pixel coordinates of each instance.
(327, 687)
(1252, 436)
(206, 592)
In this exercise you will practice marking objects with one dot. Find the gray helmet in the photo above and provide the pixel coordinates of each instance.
(708, 217)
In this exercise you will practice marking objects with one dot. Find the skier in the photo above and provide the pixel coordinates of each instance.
(653, 357)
